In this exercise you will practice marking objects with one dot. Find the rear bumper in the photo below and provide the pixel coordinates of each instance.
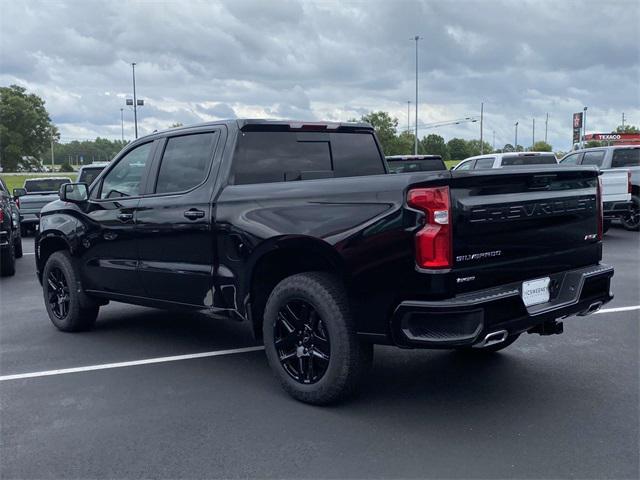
(29, 218)
(611, 210)
(468, 318)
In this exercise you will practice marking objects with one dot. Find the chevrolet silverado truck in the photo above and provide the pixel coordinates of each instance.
(35, 194)
(613, 161)
(298, 229)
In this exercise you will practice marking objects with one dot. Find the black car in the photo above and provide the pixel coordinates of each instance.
(298, 229)
(10, 239)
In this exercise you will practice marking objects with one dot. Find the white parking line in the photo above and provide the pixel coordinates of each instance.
(619, 309)
(147, 361)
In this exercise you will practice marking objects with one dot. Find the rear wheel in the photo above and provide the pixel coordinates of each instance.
(631, 221)
(69, 308)
(8, 260)
(17, 244)
(310, 339)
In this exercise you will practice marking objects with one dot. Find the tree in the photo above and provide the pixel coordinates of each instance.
(457, 149)
(433, 144)
(403, 144)
(385, 127)
(627, 129)
(25, 126)
(593, 144)
(66, 167)
(508, 148)
(473, 148)
(542, 146)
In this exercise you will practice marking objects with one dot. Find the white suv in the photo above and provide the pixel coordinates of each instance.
(512, 159)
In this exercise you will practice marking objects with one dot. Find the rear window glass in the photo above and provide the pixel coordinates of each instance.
(48, 185)
(88, 175)
(266, 157)
(529, 160)
(427, 165)
(626, 158)
(593, 158)
(483, 163)
(185, 162)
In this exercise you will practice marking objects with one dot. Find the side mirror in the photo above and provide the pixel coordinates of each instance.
(74, 192)
(19, 192)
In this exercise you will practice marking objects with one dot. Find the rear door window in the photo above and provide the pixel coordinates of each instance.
(185, 162)
(465, 165)
(628, 157)
(593, 158)
(483, 163)
(271, 156)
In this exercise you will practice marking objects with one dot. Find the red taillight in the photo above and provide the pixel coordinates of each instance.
(17, 202)
(599, 207)
(433, 241)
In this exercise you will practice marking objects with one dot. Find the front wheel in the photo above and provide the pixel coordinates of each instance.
(69, 308)
(8, 260)
(18, 245)
(631, 221)
(310, 339)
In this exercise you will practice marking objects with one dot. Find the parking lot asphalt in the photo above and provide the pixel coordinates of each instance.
(564, 406)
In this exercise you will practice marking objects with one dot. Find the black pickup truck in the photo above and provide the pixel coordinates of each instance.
(299, 229)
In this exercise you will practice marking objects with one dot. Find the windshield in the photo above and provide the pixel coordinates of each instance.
(529, 160)
(628, 157)
(88, 175)
(45, 185)
(403, 166)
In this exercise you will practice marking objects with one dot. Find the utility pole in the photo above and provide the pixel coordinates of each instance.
(135, 101)
(584, 125)
(546, 126)
(122, 123)
(52, 150)
(494, 140)
(408, 116)
(533, 135)
(415, 148)
(481, 119)
(515, 145)
(623, 121)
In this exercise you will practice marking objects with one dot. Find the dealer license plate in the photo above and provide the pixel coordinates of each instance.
(535, 291)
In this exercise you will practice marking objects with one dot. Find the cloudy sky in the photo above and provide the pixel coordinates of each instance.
(325, 60)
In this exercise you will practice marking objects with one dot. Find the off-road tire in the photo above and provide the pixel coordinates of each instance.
(82, 310)
(8, 261)
(350, 358)
(632, 221)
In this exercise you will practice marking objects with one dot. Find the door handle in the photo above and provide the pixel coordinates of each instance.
(125, 217)
(194, 214)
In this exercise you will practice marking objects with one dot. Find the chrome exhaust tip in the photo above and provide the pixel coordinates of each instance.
(593, 308)
(492, 338)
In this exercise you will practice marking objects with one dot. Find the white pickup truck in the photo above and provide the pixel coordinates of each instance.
(616, 185)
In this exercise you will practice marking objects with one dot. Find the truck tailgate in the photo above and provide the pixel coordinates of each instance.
(518, 225)
(615, 185)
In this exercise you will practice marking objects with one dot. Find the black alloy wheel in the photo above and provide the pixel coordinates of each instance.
(58, 293)
(632, 220)
(302, 342)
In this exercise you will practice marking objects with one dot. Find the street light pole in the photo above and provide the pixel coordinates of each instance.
(135, 101)
(533, 135)
(481, 118)
(546, 125)
(494, 140)
(415, 148)
(584, 125)
(408, 116)
(122, 124)
(52, 162)
(515, 146)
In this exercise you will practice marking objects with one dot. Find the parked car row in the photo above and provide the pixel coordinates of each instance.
(619, 167)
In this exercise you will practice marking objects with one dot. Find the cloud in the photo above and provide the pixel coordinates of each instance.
(200, 60)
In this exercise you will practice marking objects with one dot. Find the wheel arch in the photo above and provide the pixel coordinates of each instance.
(281, 258)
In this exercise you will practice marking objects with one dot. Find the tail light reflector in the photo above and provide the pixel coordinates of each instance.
(599, 207)
(433, 241)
